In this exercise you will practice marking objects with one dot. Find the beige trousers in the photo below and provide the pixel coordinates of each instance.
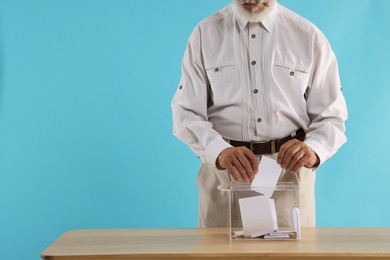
(213, 203)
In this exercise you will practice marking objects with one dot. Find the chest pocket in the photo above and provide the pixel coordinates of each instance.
(292, 80)
(225, 83)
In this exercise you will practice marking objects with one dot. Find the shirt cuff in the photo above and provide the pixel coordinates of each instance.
(214, 149)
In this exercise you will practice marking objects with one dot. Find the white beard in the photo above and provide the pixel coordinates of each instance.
(253, 17)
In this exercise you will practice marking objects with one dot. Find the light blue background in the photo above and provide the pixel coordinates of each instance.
(85, 119)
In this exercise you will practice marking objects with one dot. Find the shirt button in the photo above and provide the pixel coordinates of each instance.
(180, 87)
(216, 69)
(255, 91)
(254, 62)
(253, 36)
(259, 120)
(292, 73)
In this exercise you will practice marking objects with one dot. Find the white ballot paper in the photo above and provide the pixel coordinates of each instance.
(258, 216)
(267, 177)
(297, 222)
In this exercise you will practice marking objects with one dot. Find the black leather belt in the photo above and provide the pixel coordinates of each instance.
(271, 146)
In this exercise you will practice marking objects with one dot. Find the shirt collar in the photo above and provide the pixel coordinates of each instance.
(267, 23)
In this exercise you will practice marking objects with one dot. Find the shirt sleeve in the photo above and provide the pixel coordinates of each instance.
(326, 105)
(189, 106)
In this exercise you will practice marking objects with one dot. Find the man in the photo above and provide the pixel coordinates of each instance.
(258, 79)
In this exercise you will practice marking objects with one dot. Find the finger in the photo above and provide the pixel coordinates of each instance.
(291, 151)
(312, 160)
(296, 161)
(296, 156)
(232, 171)
(249, 174)
(283, 150)
(253, 160)
(302, 162)
(240, 168)
(307, 158)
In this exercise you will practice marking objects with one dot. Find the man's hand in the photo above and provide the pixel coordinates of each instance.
(295, 154)
(240, 162)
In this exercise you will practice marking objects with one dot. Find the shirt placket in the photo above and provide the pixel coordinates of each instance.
(242, 57)
(257, 89)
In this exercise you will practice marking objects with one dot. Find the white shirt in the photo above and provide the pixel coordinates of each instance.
(258, 81)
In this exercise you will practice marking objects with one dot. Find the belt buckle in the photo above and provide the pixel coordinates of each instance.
(272, 143)
(273, 146)
(251, 144)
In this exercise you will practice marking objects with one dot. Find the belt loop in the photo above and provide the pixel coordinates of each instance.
(273, 146)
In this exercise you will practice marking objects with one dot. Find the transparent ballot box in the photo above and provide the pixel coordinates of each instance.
(263, 213)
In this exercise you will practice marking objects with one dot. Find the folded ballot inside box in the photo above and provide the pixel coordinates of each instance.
(263, 212)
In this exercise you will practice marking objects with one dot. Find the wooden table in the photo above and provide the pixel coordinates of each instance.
(145, 244)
